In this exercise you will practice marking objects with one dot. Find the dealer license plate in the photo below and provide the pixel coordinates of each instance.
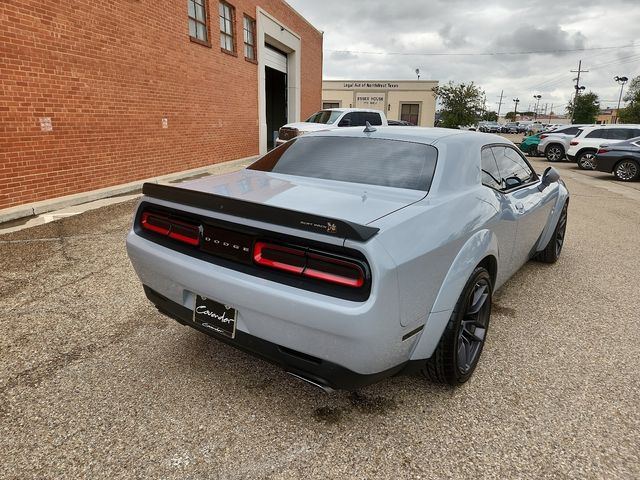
(215, 316)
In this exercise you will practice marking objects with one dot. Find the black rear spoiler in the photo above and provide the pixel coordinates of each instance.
(263, 213)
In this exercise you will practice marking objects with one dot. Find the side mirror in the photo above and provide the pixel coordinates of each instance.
(345, 122)
(549, 176)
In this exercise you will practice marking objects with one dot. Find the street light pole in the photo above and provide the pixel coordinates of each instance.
(621, 81)
(535, 115)
(515, 108)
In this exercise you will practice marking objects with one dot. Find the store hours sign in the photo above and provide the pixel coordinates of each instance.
(375, 101)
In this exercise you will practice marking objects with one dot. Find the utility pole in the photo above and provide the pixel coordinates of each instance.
(578, 88)
(550, 112)
(500, 104)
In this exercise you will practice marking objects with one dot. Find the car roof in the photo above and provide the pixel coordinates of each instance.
(608, 126)
(349, 110)
(634, 140)
(426, 135)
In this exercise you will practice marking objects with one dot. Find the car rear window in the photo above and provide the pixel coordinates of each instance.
(598, 133)
(372, 161)
(568, 131)
(324, 116)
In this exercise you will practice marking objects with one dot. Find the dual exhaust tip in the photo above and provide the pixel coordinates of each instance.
(324, 388)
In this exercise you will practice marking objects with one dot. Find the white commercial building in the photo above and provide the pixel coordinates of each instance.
(409, 100)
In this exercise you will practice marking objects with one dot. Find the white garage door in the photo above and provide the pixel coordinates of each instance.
(275, 59)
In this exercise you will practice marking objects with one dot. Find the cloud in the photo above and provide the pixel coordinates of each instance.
(452, 38)
(342, 56)
(408, 28)
(550, 38)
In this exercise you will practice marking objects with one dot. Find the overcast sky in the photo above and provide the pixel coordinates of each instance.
(398, 29)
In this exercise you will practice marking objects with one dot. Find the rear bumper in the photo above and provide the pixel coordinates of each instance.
(605, 164)
(572, 158)
(321, 372)
(364, 337)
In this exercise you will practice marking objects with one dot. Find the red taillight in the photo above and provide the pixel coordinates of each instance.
(308, 264)
(170, 227)
(602, 150)
(542, 137)
(278, 257)
(335, 271)
(574, 142)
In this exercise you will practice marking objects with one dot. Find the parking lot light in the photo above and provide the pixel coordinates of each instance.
(621, 81)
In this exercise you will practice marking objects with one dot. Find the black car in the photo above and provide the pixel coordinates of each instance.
(622, 159)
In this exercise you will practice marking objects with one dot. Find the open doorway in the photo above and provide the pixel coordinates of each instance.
(275, 93)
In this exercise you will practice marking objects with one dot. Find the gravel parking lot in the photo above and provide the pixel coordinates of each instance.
(94, 383)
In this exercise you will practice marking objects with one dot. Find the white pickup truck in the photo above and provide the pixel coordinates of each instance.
(331, 118)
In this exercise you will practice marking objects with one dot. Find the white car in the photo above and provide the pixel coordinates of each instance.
(584, 146)
(555, 144)
(331, 118)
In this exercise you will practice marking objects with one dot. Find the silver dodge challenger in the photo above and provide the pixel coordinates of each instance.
(349, 256)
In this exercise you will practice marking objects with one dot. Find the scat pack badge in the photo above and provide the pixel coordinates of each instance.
(331, 227)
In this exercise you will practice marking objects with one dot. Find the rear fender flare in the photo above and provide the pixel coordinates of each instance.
(479, 246)
(563, 196)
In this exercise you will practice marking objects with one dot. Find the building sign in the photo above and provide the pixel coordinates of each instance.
(376, 101)
(382, 85)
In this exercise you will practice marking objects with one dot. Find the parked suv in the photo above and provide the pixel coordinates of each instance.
(489, 127)
(583, 148)
(331, 118)
(554, 145)
(511, 127)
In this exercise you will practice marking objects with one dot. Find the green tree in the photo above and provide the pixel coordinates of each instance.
(631, 113)
(490, 116)
(461, 104)
(586, 107)
(510, 116)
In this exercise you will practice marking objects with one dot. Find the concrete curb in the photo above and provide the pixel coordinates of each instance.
(37, 208)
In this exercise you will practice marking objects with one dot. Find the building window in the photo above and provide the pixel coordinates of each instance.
(249, 38)
(410, 112)
(197, 20)
(326, 105)
(226, 27)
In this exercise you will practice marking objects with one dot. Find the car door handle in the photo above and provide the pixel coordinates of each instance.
(520, 207)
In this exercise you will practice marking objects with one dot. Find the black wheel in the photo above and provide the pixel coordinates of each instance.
(551, 252)
(627, 170)
(586, 160)
(554, 152)
(458, 352)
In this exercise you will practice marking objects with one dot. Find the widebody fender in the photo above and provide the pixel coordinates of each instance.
(481, 245)
(562, 197)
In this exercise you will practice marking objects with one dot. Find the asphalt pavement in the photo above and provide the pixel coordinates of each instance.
(94, 383)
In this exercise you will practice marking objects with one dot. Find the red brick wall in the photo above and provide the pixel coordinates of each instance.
(106, 73)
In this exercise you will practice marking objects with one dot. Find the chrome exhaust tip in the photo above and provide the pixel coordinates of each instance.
(324, 388)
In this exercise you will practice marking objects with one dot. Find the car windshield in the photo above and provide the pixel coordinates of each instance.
(371, 161)
(324, 116)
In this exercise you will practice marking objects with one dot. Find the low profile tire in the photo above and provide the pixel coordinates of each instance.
(627, 171)
(552, 251)
(554, 153)
(458, 352)
(586, 160)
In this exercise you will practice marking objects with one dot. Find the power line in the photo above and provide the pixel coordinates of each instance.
(456, 54)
